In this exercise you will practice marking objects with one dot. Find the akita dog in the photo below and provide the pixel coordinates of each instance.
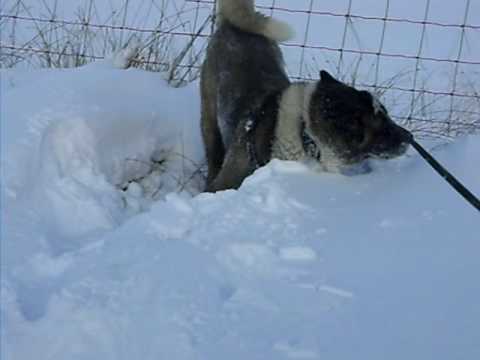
(252, 113)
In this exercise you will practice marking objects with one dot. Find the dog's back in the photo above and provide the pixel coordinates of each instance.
(243, 66)
(246, 68)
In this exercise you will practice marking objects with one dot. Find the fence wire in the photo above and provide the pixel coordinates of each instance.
(176, 39)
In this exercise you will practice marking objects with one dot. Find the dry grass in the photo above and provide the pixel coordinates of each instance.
(168, 34)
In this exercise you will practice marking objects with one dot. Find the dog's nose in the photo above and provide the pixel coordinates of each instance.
(405, 135)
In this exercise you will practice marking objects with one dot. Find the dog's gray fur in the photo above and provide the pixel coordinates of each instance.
(252, 113)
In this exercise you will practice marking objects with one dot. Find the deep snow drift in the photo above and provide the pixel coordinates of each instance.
(296, 264)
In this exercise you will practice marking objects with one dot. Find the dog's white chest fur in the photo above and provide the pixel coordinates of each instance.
(293, 111)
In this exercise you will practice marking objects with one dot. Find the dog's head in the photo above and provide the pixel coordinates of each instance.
(352, 124)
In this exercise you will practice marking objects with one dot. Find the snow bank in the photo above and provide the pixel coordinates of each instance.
(296, 264)
(80, 134)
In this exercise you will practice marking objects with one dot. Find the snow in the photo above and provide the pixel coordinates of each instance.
(112, 259)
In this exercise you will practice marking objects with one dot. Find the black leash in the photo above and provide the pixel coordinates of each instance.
(444, 173)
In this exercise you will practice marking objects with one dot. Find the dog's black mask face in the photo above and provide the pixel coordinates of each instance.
(352, 123)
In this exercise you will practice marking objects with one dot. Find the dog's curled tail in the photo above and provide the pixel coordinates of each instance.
(242, 14)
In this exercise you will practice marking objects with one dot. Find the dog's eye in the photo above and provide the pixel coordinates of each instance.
(376, 121)
(356, 122)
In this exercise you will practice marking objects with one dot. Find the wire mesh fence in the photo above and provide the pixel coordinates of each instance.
(421, 57)
(43, 34)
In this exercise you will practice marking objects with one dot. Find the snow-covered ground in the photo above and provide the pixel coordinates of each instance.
(296, 264)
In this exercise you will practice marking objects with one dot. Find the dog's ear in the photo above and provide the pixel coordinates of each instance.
(366, 97)
(326, 78)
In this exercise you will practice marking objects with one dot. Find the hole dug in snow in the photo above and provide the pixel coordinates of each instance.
(166, 172)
